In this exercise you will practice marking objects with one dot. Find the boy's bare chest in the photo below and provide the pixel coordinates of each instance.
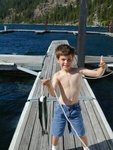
(70, 80)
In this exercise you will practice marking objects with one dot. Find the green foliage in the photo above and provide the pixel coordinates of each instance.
(1, 20)
(102, 10)
(17, 11)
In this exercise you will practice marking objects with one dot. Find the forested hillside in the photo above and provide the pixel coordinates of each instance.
(55, 11)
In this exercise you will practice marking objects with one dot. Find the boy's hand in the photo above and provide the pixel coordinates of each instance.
(45, 81)
(102, 63)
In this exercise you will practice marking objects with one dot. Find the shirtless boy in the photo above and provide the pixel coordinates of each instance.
(68, 80)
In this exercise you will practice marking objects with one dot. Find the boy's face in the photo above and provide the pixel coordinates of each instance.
(65, 62)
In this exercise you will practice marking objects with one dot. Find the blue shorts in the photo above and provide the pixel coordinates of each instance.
(73, 113)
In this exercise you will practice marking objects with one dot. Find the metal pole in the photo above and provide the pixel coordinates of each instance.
(82, 33)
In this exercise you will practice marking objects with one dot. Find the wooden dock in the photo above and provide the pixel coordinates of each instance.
(33, 129)
(53, 31)
(20, 65)
(28, 61)
(96, 59)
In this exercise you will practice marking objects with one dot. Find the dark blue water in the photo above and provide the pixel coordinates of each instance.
(14, 91)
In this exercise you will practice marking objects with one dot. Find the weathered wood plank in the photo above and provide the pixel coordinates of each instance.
(92, 141)
(37, 131)
(95, 126)
(35, 88)
(96, 59)
(15, 143)
(31, 62)
(108, 135)
(69, 142)
(24, 145)
(36, 136)
(44, 143)
(50, 106)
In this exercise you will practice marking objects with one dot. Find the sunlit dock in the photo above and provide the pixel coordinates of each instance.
(33, 129)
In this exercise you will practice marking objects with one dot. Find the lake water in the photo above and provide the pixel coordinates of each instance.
(14, 91)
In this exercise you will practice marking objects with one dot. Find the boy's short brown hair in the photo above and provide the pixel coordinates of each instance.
(64, 49)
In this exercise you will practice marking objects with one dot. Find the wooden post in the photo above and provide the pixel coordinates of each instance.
(46, 24)
(82, 33)
(110, 26)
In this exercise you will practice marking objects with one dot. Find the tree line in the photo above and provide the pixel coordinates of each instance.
(17, 11)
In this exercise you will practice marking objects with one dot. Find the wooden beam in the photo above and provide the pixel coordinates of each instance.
(82, 33)
(27, 70)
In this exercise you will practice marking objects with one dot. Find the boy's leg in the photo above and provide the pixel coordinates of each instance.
(54, 140)
(77, 121)
(84, 139)
(58, 126)
(55, 143)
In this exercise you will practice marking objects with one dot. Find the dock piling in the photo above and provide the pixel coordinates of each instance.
(5, 28)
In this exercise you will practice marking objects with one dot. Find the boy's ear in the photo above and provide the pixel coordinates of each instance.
(57, 60)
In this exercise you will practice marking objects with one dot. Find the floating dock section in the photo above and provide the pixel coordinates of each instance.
(6, 30)
(34, 126)
(21, 65)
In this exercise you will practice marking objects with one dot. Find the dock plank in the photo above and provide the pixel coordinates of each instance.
(24, 144)
(20, 127)
(37, 135)
(69, 142)
(37, 131)
(96, 127)
(92, 141)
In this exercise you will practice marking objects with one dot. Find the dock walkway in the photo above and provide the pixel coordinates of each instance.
(53, 31)
(33, 129)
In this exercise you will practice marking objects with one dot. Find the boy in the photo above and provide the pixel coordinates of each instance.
(68, 81)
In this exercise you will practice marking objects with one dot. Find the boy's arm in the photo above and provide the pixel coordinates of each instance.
(50, 87)
(95, 73)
